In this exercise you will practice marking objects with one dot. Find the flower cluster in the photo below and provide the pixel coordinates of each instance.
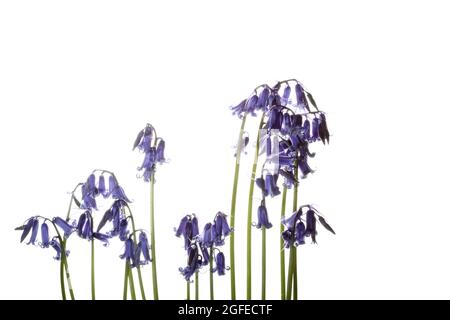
(137, 254)
(199, 246)
(36, 223)
(153, 147)
(298, 228)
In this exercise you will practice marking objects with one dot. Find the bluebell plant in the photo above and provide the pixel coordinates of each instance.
(290, 121)
(203, 248)
(153, 147)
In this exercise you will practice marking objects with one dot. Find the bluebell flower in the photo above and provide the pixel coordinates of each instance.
(286, 94)
(45, 235)
(34, 231)
(260, 183)
(90, 185)
(57, 246)
(101, 237)
(271, 185)
(160, 151)
(323, 129)
(26, 228)
(286, 124)
(307, 130)
(315, 130)
(207, 235)
(64, 225)
(300, 232)
(145, 247)
(289, 177)
(301, 99)
(84, 226)
(288, 238)
(263, 218)
(107, 217)
(81, 222)
(292, 219)
(220, 264)
(275, 119)
(123, 230)
(102, 187)
(304, 167)
(188, 228)
(251, 104)
(221, 225)
(129, 252)
(193, 264)
(88, 198)
(311, 225)
(263, 99)
(239, 109)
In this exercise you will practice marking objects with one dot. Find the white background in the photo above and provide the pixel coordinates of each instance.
(78, 80)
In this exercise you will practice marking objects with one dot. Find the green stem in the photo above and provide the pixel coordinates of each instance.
(233, 208)
(66, 267)
(250, 211)
(294, 208)
(196, 285)
(263, 272)
(131, 280)
(211, 274)
(152, 236)
(295, 274)
(92, 270)
(282, 252)
(125, 282)
(61, 278)
(188, 290)
(290, 273)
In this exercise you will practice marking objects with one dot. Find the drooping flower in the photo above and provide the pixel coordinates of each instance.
(26, 228)
(153, 151)
(311, 225)
(145, 247)
(194, 262)
(220, 264)
(263, 218)
(45, 235)
(34, 232)
(101, 237)
(129, 252)
(102, 186)
(64, 225)
(188, 228)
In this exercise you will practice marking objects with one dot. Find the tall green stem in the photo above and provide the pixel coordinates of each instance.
(125, 282)
(282, 252)
(92, 270)
(250, 211)
(61, 279)
(66, 267)
(263, 270)
(131, 280)
(196, 286)
(211, 274)
(295, 274)
(290, 273)
(294, 208)
(152, 236)
(188, 290)
(233, 208)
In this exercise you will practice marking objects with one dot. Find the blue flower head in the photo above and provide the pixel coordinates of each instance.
(65, 226)
(188, 228)
(194, 262)
(153, 149)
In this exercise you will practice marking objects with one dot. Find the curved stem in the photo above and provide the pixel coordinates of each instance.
(196, 285)
(125, 282)
(92, 269)
(152, 236)
(250, 211)
(211, 274)
(263, 272)
(131, 280)
(282, 252)
(188, 290)
(233, 208)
